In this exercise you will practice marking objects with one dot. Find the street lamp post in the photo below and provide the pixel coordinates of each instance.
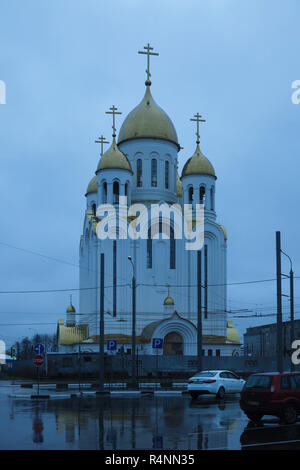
(292, 327)
(133, 335)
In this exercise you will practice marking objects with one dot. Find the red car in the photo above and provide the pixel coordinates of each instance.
(272, 393)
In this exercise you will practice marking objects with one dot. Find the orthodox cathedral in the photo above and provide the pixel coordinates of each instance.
(142, 164)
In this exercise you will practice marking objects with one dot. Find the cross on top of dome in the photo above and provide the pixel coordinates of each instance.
(113, 111)
(148, 53)
(198, 120)
(101, 141)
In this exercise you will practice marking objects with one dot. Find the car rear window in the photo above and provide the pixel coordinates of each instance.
(206, 374)
(259, 381)
(290, 382)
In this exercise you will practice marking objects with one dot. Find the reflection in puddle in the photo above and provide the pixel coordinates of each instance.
(128, 423)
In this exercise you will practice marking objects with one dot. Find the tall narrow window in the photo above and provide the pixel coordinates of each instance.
(139, 173)
(149, 250)
(104, 193)
(202, 194)
(116, 193)
(94, 207)
(167, 175)
(154, 173)
(212, 201)
(172, 249)
(191, 192)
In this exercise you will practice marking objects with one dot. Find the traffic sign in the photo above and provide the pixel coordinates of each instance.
(13, 352)
(39, 348)
(111, 345)
(157, 343)
(39, 360)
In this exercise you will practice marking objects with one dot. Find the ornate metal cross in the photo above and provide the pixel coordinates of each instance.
(148, 53)
(101, 141)
(113, 111)
(198, 120)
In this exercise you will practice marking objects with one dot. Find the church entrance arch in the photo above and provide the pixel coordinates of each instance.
(173, 344)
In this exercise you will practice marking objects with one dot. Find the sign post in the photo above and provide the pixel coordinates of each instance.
(38, 362)
(157, 343)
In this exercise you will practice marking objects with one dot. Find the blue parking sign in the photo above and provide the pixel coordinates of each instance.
(111, 345)
(157, 343)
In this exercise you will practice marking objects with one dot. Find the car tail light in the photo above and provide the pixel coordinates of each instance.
(190, 381)
(208, 381)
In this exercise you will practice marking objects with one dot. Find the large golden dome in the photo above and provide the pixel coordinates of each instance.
(148, 120)
(232, 334)
(92, 187)
(198, 164)
(114, 158)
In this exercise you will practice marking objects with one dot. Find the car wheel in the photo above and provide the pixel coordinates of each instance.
(221, 392)
(194, 394)
(255, 417)
(289, 414)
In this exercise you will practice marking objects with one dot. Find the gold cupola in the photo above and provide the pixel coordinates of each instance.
(198, 164)
(168, 300)
(92, 187)
(148, 120)
(113, 158)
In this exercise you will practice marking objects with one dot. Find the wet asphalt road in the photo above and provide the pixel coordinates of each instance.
(148, 422)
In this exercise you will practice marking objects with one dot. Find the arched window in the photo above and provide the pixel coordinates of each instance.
(139, 173)
(116, 192)
(166, 175)
(172, 249)
(149, 250)
(154, 173)
(212, 199)
(191, 193)
(202, 194)
(104, 192)
(94, 208)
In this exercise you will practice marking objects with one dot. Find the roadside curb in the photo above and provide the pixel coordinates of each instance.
(112, 394)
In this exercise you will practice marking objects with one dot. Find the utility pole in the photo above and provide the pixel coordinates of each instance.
(133, 334)
(292, 325)
(279, 304)
(205, 281)
(199, 313)
(101, 327)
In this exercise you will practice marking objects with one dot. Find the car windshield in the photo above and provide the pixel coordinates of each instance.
(205, 374)
(259, 381)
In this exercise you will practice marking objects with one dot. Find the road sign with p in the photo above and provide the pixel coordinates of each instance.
(157, 343)
(111, 345)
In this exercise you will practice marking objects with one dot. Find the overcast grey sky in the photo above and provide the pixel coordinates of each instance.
(65, 62)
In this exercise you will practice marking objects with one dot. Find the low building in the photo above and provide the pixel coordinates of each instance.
(262, 340)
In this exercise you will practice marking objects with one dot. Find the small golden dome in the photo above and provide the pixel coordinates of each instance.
(148, 120)
(179, 186)
(71, 308)
(92, 187)
(114, 158)
(198, 164)
(168, 300)
(232, 333)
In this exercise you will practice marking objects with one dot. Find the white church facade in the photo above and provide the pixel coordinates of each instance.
(142, 164)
